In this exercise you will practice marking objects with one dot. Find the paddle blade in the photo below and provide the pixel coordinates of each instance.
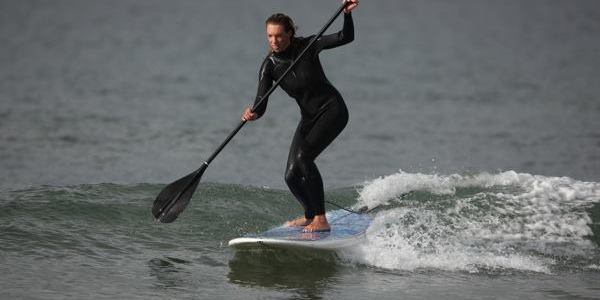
(175, 197)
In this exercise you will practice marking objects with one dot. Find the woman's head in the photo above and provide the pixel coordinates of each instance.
(280, 31)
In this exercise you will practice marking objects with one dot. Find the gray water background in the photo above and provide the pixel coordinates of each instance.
(145, 91)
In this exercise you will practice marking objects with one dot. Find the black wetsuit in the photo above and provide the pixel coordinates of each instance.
(324, 113)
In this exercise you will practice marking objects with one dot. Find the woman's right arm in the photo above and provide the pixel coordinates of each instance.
(265, 82)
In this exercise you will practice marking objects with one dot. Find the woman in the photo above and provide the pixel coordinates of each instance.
(323, 110)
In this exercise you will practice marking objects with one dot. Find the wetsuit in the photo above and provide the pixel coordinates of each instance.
(324, 113)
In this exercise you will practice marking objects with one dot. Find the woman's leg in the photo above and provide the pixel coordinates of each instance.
(302, 175)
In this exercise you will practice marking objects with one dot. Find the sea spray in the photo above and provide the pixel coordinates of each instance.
(478, 222)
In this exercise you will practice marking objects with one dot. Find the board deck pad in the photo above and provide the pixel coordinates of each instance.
(347, 229)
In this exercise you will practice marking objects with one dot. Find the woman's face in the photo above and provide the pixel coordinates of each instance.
(278, 38)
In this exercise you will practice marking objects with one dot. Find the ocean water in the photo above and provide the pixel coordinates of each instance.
(474, 127)
(507, 235)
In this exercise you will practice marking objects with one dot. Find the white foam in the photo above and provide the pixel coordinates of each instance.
(593, 267)
(506, 223)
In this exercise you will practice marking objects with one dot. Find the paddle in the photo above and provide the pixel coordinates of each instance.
(174, 198)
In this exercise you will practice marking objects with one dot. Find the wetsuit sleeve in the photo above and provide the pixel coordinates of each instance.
(265, 82)
(345, 36)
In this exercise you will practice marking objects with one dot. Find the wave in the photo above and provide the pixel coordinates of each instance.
(480, 222)
(475, 223)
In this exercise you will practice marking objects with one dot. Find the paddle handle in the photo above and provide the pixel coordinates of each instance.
(276, 84)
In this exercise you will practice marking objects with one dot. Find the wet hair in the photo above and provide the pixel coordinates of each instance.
(284, 20)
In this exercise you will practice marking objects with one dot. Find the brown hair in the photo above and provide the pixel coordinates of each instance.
(284, 20)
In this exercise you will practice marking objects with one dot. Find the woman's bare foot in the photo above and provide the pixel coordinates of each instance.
(319, 223)
(301, 221)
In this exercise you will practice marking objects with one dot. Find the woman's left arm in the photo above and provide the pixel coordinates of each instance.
(345, 36)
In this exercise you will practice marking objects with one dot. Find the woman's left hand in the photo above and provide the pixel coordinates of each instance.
(351, 4)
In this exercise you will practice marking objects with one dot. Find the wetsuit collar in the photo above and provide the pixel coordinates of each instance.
(288, 52)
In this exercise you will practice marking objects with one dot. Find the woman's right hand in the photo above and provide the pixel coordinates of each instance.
(248, 115)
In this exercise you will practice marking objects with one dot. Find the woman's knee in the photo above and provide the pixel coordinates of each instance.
(298, 167)
(291, 175)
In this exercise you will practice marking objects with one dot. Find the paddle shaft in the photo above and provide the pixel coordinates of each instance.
(270, 91)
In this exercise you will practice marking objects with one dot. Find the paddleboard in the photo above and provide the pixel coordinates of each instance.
(347, 229)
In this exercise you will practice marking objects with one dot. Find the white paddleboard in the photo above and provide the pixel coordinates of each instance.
(347, 229)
